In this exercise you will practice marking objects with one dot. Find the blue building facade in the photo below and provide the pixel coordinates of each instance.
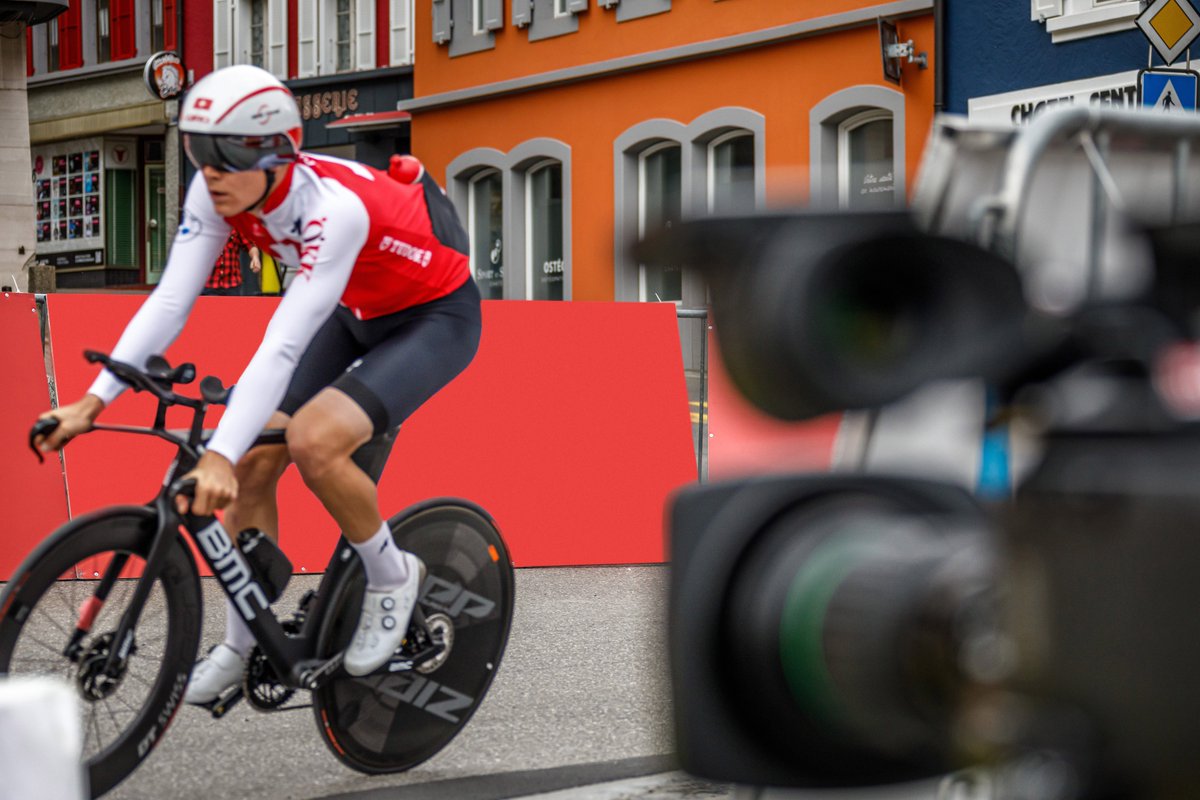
(1005, 61)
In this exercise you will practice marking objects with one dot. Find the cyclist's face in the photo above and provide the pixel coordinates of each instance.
(234, 192)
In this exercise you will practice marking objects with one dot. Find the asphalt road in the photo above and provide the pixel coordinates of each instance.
(580, 698)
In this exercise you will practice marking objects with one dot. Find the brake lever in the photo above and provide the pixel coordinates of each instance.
(43, 427)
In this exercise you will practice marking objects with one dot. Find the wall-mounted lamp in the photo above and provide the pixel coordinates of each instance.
(895, 51)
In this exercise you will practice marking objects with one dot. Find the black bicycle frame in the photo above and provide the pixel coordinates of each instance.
(293, 657)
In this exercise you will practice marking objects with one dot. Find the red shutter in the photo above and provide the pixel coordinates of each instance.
(170, 25)
(293, 39)
(383, 31)
(70, 38)
(124, 41)
(28, 52)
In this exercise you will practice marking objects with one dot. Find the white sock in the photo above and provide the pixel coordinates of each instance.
(238, 637)
(386, 568)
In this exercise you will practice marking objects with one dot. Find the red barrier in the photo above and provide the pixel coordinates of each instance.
(743, 440)
(570, 427)
(32, 497)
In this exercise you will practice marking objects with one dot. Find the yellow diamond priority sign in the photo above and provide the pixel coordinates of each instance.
(1171, 26)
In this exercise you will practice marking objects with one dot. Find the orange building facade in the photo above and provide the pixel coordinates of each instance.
(562, 129)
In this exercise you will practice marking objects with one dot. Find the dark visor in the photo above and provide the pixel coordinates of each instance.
(238, 153)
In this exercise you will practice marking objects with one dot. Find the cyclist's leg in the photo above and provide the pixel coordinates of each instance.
(414, 354)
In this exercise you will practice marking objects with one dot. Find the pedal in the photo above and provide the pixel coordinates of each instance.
(220, 705)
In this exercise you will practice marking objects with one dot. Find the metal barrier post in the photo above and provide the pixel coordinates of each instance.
(701, 437)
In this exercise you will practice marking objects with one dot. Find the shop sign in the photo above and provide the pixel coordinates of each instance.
(1020, 107)
(75, 258)
(163, 75)
(120, 154)
(336, 103)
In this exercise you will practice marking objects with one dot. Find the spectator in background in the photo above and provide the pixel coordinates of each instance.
(226, 277)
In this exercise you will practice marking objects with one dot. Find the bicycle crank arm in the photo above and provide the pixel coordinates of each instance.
(311, 674)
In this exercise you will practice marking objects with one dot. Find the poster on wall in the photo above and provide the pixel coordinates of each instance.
(68, 195)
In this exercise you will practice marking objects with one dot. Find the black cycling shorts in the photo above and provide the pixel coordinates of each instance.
(390, 365)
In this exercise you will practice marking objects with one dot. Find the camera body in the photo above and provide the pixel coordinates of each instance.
(855, 628)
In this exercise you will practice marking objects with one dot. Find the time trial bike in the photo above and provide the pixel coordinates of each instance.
(111, 602)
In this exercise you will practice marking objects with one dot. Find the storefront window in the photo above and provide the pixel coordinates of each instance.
(544, 231)
(344, 44)
(103, 35)
(68, 190)
(866, 163)
(485, 212)
(659, 206)
(731, 173)
(258, 14)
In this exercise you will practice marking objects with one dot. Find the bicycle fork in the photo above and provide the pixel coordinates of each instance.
(100, 676)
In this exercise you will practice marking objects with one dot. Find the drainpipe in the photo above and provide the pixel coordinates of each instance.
(939, 48)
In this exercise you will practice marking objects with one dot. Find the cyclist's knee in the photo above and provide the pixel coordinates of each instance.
(318, 443)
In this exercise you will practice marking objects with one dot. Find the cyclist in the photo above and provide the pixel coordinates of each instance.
(381, 315)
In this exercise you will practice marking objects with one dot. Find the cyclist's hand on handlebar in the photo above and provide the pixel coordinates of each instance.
(73, 420)
(216, 486)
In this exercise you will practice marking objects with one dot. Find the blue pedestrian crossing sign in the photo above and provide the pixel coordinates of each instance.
(1168, 90)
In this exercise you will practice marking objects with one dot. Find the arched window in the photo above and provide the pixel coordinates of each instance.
(866, 161)
(485, 224)
(857, 150)
(517, 208)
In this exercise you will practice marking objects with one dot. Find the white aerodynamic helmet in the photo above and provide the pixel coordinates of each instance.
(240, 118)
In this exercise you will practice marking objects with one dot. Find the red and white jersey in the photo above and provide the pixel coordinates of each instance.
(401, 263)
(354, 235)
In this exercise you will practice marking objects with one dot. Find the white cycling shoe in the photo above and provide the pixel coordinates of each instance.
(220, 670)
(383, 622)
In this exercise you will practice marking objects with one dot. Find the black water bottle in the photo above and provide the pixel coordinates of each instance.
(270, 566)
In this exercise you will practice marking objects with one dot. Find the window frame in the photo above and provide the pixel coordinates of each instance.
(825, 119)
(515, 166)
(1069, 20)
(104, 23)
(846, 127)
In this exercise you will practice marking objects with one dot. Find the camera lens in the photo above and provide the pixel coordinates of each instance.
(844, 621)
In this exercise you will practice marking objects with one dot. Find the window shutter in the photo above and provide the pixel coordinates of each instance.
(443, 22)
(364, 40)
(222, 35)
(121, 217)
(401, 44)
(170, 25)
(575, 6)
(493, 15)
(1044, 9)
(124, 45)
(277, 31)
(70, 43)
(307, 12)
(522, 12)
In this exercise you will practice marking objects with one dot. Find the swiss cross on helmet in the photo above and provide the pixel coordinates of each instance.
(240, 118)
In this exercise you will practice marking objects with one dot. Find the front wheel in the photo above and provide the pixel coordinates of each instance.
(58, 616)
(392, 722)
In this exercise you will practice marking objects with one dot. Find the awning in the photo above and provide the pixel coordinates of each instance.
(375, 119)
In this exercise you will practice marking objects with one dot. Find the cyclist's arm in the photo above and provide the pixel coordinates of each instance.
(324, 272)
(201, 236)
